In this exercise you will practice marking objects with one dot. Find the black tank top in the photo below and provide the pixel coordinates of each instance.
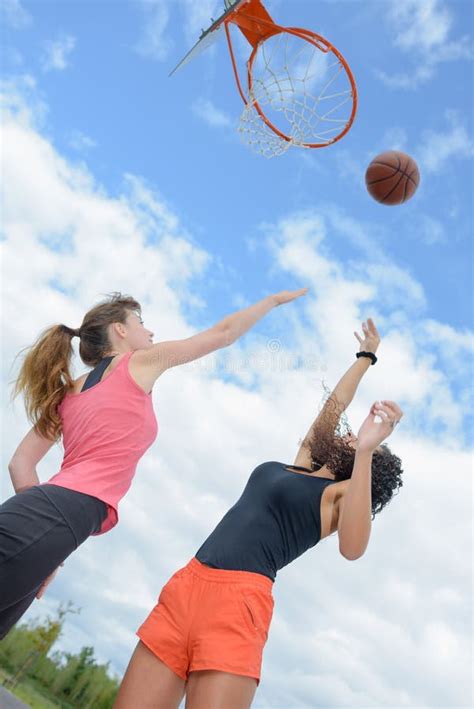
(276, 519)
(95, 376)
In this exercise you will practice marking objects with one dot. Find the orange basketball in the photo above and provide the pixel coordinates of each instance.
(392, 177)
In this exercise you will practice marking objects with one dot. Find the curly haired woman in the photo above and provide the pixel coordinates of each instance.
(206, 635)
(107, 422)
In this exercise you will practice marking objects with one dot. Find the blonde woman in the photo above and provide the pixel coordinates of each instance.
(106, 421)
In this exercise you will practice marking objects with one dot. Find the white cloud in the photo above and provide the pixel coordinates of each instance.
(155, 41)
(81, 142)
(66, 207)
(14, 14)
(438, 148)
(457, 344)
(345, 633)
(56, 53)
(397, 285)
(210, 114)
(422, 29)
(21, 97)
(371, 286)
(423, 24)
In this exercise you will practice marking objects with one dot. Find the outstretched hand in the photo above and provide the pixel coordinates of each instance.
(371, 338)
(371, 434)
(285, 296)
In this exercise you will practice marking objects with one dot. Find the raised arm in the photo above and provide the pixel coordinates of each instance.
(355, 506)
(342, 395)
(164, 355)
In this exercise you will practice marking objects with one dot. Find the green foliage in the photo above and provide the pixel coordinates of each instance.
(30, 668)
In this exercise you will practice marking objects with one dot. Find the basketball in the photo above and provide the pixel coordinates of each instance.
(392, 177)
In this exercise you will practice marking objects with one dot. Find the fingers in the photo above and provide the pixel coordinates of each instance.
(380, 411)
(389, 412)
(372, 327)
(393, 407)
(368, 329)
(364, 331)
(373, 408)
(287, 296)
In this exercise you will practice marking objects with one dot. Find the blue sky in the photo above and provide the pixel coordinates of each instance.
(117, 177)
(114, 90)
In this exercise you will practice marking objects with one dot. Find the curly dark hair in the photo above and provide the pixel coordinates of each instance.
(327, 447)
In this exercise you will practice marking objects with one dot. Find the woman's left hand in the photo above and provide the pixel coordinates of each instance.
(371, 339)
(371, 434)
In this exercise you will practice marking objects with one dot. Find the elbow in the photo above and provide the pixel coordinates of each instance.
(351, 557)
(225, 335)
(17, 465)
(351, 554)
(12, 471)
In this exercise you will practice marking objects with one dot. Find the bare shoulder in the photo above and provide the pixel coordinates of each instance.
(81, 380)
(144, 369)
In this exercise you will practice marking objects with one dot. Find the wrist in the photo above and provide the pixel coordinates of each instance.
(364, 450)
(366, 354)
(22, 488)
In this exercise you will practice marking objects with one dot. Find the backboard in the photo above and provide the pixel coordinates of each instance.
(210, 35)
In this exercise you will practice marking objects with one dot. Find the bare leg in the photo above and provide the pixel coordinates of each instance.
(209, 689)
(148, 683)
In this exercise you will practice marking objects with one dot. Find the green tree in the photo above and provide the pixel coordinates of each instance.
(42, 637)
(71, 676)
(69, 680)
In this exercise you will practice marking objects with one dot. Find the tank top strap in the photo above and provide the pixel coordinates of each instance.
(96, 375)
(317, 466)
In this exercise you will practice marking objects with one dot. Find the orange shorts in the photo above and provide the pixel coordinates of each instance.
(210, 619)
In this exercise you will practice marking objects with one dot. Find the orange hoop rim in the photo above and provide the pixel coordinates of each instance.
(307, 35)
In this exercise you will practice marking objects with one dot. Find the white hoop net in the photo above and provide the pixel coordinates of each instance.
(304, 92)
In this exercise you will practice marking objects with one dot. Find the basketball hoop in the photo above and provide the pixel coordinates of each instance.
(300, 90)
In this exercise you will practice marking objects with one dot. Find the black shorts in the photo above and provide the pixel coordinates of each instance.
(39, 528)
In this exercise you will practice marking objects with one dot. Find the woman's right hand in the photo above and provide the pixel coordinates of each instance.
(371, 434)
(286, 296)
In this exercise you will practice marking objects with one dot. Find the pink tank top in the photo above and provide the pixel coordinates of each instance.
(106, 430)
